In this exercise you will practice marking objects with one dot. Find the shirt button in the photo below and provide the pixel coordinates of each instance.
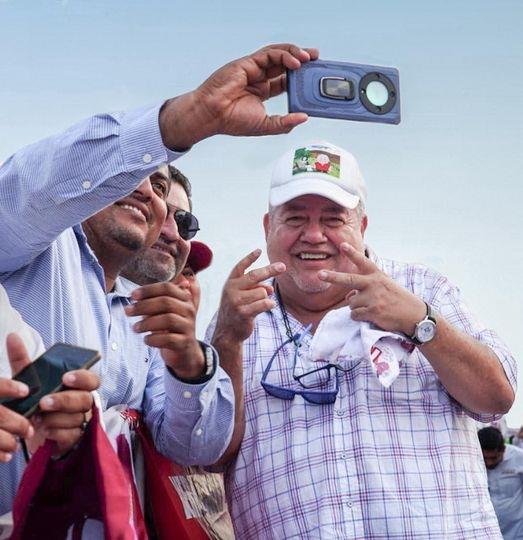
(86, 184)
(199, 431)
(349, 504)
(187, 394)
(147, 158)
(114, 345)
(344, 456)
(339, 412)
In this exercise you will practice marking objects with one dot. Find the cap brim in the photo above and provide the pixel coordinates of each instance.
(312, 186)
(200, 256)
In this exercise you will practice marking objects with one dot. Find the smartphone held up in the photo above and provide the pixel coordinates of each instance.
(346, 91)
(44, 375)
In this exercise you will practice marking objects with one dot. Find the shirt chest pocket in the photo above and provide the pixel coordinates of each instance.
(416, 383)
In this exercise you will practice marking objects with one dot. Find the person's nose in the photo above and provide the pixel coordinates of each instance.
(170, 229)
(184, 283)
(313, 232)
(144, 191)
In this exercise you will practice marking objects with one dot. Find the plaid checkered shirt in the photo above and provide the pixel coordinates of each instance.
(384, 463)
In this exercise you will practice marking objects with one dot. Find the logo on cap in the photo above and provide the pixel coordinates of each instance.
(316, 159)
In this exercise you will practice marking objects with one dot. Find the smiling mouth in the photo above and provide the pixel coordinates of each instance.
(313, 256)
(135, 210)
(163, 249)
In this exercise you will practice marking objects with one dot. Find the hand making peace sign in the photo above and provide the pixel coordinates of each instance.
(374, 297)
(244, 297)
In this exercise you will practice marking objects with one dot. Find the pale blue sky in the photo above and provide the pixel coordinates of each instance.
(444, 185)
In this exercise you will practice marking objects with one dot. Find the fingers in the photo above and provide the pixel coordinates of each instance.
(255, 308)
(277, 124)
(14, 424)
(253, 295)
(360, 260)
(286, 54)
(257, 275)
(166, 322)
(172, 341)
(81, 379)
(266, 272)
(161, 305)
(59, 420)
(271, 56)
(12, 389)
(17, 353)
(242, 266)
(155, 290)
(8, 445)
(350, 281)
(69, 401)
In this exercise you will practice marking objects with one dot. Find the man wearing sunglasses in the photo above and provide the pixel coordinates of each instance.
(332, 449)
(65, 241)
(166, 258)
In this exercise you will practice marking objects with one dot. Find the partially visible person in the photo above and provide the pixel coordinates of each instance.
(12, 322)
(63, 244)
(200, 258)
(12, 425)
(504, 465)
(61, 418)
(517, 438)
(362, 376)
(164, 260)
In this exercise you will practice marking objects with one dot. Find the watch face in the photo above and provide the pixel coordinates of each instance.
(425, 331)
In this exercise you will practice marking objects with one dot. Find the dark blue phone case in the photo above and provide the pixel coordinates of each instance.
(304, 91)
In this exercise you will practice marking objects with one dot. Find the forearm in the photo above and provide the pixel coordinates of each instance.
(60, 181)
(191, 423)
(231, 360)
(469, 370)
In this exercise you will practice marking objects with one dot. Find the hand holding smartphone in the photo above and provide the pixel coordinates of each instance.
(44, 375)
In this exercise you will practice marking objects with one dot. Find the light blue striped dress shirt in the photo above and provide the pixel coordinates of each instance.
(54, 279)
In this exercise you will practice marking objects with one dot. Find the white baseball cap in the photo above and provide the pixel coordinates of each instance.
(320, 168)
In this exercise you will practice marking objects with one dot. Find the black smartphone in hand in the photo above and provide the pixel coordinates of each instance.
(44, 375)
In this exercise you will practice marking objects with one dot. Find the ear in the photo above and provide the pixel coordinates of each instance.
(266, 224)
(363, 225)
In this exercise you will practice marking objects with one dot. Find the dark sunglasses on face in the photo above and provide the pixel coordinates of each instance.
(186, 222)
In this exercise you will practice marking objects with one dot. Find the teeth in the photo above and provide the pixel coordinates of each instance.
(161, 248)
(314, 256)
(133, 209)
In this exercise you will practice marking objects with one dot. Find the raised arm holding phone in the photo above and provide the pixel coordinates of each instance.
(71, 198)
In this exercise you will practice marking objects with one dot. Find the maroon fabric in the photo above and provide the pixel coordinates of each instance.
(125, 456)
(168, 514)
(89, 483)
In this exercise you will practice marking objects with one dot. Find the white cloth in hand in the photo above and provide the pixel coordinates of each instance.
(340, 340)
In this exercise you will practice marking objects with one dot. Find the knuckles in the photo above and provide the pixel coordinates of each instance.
(7, 442)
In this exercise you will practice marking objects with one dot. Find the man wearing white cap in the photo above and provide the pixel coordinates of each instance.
(362, 376)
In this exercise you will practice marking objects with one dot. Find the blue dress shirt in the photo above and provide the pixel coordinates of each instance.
(54, 279)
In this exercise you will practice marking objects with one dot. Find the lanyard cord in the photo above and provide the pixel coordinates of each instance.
(284, 315)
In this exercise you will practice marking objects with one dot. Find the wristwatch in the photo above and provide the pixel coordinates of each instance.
(426, 329)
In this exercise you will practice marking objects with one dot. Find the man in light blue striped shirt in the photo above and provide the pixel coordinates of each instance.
(60, 255)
